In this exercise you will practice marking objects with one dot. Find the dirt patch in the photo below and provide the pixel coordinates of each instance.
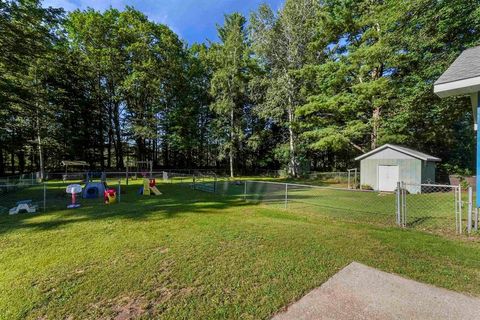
(130, 308)
(121, 308)
(161, 250)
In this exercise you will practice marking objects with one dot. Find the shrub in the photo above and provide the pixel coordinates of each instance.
(366, 187)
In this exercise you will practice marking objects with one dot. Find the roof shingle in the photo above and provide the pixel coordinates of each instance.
(466, 66)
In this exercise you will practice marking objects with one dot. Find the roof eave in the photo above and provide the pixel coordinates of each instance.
(385, 146)
(366, 155)
(457, 88)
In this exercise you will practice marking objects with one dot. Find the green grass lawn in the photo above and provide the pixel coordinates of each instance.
(189, 254)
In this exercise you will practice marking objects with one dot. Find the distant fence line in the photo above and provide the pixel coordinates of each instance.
(334, 176)
(436, 208)
(58, 175)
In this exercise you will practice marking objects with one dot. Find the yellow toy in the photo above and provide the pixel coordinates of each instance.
(146, 187)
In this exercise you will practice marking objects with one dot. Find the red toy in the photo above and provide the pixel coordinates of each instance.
(152, 183)
(110, 196)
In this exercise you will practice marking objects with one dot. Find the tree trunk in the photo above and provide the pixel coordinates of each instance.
(40, 149)
(375, 126)
(21, 161)
(40, 154)
(109, 149)
(12, 161)
(118, 135)
(111, 141)
(2, 163)
(232, 141)
(292, 167)
(101, 142)
(38, 132)
(377, 73)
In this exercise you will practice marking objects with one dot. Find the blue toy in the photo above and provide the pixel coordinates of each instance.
(95, 189)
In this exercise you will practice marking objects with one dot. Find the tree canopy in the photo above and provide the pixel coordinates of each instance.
(311, 85)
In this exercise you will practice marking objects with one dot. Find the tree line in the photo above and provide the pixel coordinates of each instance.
(309, 86)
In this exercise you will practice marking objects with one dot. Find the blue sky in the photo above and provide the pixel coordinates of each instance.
(192, 20)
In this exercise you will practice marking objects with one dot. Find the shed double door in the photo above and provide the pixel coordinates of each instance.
(388, 177)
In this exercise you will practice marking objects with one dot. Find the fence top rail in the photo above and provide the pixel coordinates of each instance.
(329, 172)
(20, 185)
(313, 186)
(432, 185)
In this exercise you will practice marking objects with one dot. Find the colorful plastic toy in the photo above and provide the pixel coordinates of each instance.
(149, 188)
(74, 189)
(25, 205)
(110, 196)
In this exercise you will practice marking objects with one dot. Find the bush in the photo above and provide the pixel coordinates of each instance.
(366, 187)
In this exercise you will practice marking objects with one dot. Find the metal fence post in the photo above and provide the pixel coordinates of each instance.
(399, 188)
(245, 191)
(286, 195)
(404, 204)
(457, 207)
(44, 197)
(475, 226)
(119, 191)
(356, 178)
(470, 209)
(460, 209)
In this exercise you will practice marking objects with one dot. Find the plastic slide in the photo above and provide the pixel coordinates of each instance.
(155, 191)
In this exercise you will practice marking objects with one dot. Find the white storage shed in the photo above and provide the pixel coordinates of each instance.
(384, 167)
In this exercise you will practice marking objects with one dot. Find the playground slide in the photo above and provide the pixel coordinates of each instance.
(155, 191)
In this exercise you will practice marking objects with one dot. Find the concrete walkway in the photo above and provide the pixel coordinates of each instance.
(361, 292)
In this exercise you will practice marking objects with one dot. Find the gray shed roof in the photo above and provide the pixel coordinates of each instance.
(463, 75)
(405, 150)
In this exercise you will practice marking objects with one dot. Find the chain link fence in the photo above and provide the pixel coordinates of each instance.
(441, 209)
(12, 194)
(431, 207)
(348, 204)
(27, 178)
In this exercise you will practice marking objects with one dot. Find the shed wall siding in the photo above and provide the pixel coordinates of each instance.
(410, 170)
(428, 172)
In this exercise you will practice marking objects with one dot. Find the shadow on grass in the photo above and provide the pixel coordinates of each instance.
(175, 200)
(418, 221)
